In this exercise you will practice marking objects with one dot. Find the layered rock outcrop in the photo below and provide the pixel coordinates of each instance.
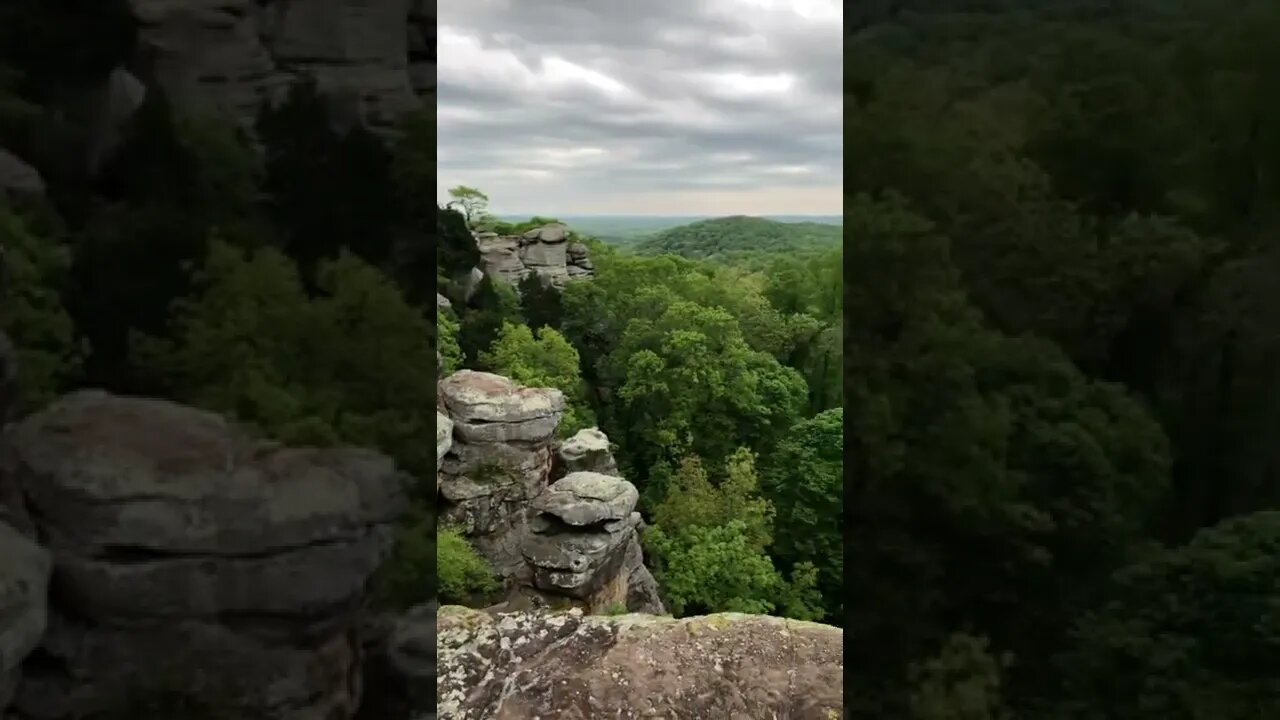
(499, 461)
(548, 252)
(571, 542)
(232, 55)
(24, 582)
(587, 451)
(573, 667)
(192, 558)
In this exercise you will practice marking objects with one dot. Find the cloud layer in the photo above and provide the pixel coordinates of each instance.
(659, 107)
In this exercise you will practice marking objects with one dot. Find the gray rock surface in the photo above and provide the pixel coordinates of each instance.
(170, 528)
(500, 458)
(587, 451)
(587, 498)
(24, 584)
(567, 666)
(545, 251)
(232, 55)
(17, 178)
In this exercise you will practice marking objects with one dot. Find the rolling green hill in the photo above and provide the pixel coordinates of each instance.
(721, 237)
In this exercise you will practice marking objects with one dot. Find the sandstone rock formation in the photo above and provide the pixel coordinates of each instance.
(190, 557)
(499, 461)
(17, 178)
(573, 542)
(232, 55)
(568, 666)
(400, 669)
(546, 251)
(587, 451)
(24, 582)
(581, 549)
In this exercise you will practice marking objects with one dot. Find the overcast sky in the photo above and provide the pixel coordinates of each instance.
(644, 107)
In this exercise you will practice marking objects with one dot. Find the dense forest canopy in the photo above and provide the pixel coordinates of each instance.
(1063, 373)
(727, 237)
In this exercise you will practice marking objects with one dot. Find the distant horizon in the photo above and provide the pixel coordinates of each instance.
(544, 213)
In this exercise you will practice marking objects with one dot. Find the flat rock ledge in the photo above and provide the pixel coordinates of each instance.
(523, 666)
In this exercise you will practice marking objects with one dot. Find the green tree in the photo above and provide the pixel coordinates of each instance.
(472, 203)
(711, 545)
(462, 573)
(448, 346)
(33, 274)
(687, 382)
(343, 366)
(803, 478)
(962, 682)
(544, 359)
(1188, 632)
(493, 305)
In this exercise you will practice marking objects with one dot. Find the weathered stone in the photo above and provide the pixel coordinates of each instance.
(400, 667)
(543, 251)
(587, 498)
(444, 438)
(500, 458)
(571, 667)
(587, 451)
(575, 564)
(478, 397)
(24, 583)
(232, 55)
(17, 178)
(170, 528)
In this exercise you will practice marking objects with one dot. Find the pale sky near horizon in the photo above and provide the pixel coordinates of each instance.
(662, 107)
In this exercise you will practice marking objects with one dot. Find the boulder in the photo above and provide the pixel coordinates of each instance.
(24, 582)
(544, 251)
(17, 178)
(499, 461)
(587, 498)
(400, 667)
(574, 667)
(170, 527)
(587, 451)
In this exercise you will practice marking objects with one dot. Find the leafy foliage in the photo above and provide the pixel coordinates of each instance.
(544, 359)
(729, 236)
(33, 270)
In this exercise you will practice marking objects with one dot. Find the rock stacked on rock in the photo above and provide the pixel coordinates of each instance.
(545, 251)
(578, 538)
(233, 54)
(564, 665)
(587, 451)
(500, 458)
(24, 582)
(191, 557)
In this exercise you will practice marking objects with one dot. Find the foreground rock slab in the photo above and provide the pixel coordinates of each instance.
(24, 582)
(568, 666)
(191, 557)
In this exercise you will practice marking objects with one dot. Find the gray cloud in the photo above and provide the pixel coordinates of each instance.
(662, 106)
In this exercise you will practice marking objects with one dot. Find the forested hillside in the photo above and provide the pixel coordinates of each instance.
(728, 237)
(1063, 370)
(719, 387)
